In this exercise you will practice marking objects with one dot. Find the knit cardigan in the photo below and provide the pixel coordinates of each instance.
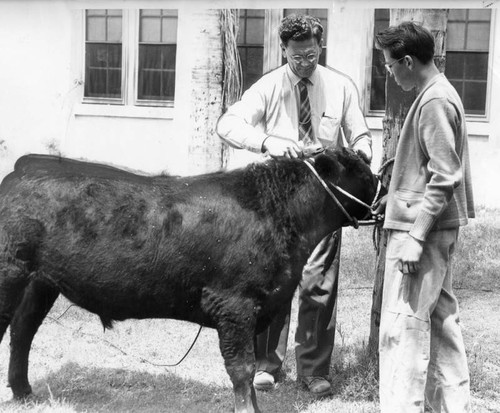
(431, 187)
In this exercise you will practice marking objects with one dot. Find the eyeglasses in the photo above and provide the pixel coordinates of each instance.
(311, 58)
(388, 66)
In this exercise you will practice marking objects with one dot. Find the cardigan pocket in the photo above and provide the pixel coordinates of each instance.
(408, 203)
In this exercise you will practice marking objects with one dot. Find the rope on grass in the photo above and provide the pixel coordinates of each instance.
(110, 344)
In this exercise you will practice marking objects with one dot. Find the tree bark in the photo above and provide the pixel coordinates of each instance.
(397, 105)
(207, 43)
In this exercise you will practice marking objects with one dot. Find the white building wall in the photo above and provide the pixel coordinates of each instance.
(41, 89)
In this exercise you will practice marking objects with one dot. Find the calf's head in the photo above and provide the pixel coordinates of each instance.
(346, 171)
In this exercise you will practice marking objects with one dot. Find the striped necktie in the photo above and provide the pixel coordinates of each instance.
(306, 133)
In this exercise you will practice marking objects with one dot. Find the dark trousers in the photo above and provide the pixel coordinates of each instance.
(314, 338)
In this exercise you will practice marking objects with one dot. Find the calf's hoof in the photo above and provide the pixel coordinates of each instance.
(21, 393)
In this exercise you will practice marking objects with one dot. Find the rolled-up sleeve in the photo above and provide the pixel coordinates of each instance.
(238, 126)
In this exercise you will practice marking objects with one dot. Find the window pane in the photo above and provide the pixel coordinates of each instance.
(96, 29)
(468, 73)
(377, 91)
(378, 76)
(150, 29)
(157, 72)
(255, 31)
(255, 57)
(103, 54)
(242, 29)
(457, 14)
(476, 66)
(478, 37)
(455, 63)
(474, 97)
(377, 94)
(455, 37)
(480, 14)
(146, 12)
(255, 13)
(114, 29)
(103, 70)
(169, 30)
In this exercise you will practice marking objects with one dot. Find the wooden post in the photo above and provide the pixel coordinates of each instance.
(397, 105)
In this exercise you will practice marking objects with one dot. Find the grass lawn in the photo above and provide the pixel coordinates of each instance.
(76, 367)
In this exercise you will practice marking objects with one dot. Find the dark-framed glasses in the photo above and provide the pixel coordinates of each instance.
(388, 66)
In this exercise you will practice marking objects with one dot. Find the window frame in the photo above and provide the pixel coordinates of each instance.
(469, 117)
(148, 102)
(103, 100)
(130, 67)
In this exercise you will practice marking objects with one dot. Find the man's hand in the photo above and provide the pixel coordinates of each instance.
(409, 260)
(378, 209)
(282, 147)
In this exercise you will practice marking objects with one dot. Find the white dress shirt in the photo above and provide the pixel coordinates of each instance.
(270, 107)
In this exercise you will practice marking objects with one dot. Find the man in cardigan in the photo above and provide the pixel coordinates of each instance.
(422, 354)
(300, 105)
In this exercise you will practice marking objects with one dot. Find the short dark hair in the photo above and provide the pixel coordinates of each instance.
(300, 27)
(407, 38)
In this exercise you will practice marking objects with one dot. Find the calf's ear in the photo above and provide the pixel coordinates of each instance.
(327, 166)
(364, 157)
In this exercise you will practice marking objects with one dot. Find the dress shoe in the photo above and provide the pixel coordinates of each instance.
(317, 385)
(263, 380)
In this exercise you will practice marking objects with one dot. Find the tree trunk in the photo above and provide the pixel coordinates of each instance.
(208, 48)
(397, 105)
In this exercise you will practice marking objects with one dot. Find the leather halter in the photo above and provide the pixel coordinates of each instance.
(352, 220)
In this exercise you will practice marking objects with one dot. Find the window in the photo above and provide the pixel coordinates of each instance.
(157, 52)
(377, 87)
(130, 56)
(467, 49)
(467, 54)
(251, 45)
(103, 54)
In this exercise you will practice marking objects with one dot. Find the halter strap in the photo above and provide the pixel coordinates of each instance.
(354, 222)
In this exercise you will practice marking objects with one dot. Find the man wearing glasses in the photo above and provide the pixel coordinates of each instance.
(422, 353)
(300, 106)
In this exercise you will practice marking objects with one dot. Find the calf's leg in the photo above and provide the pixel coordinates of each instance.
(36, 303)
(13, 280)
(235, 321)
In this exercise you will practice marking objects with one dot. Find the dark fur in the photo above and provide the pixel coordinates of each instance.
(224, 250)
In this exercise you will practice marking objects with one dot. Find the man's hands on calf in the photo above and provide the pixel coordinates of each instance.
(282, 147)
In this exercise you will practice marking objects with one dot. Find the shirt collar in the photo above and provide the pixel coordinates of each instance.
(296, 79)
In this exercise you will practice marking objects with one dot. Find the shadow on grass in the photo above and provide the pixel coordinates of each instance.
(74, 388)
(354, 373)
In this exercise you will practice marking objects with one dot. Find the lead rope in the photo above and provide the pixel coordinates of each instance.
(377, 228)
(142, 359)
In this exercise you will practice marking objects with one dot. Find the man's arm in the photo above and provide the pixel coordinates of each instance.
(242, 127)
(238, 126)
(437, 137)
(354, 124)
(438, 128)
